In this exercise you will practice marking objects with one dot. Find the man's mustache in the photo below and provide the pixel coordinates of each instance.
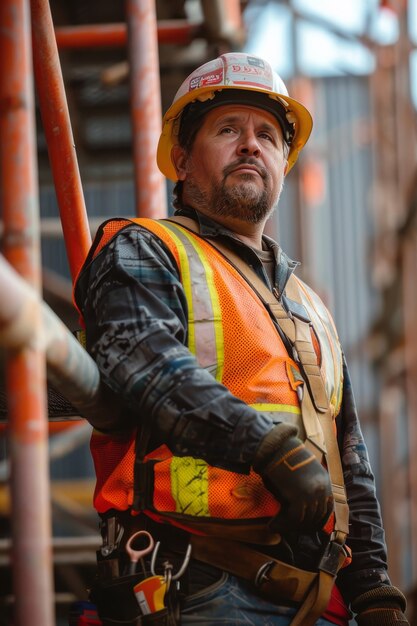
(245, 161)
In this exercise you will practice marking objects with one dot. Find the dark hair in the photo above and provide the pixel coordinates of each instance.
(177, 202)
(189, 127)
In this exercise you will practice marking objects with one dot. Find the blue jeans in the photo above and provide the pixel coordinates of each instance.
(229, 602)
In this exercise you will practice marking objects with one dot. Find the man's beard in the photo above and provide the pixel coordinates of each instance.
(242, 201)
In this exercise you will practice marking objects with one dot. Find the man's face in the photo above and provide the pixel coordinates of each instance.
(236, 165)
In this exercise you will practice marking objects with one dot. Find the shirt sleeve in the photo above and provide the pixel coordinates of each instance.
(366, 535)
(135, 313)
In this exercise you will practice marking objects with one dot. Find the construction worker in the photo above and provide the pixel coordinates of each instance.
(236, 445)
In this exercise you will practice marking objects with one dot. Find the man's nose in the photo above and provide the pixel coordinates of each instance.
(249, 144)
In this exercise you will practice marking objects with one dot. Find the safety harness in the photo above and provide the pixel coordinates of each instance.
(275, 578)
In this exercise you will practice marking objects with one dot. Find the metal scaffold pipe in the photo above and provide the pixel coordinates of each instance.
(70, 368)
(145, 89)
(25, 368)
(59, 137)
(180, 32)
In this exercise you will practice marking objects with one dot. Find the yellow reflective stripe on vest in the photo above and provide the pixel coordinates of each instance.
(276, 408)
(205, 328)
(189, 486)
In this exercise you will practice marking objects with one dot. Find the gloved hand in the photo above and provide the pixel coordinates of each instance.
(383, 606)
(296, 478)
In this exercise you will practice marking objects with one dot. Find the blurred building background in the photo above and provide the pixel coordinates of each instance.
(348, 213)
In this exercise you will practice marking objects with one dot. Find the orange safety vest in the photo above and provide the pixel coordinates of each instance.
(231, 335)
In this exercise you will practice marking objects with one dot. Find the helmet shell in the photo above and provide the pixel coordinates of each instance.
(234, 70)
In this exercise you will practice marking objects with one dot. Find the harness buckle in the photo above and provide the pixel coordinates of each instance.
(331, 560)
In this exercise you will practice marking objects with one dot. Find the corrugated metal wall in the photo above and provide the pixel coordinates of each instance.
(343, 223)
(337, 226)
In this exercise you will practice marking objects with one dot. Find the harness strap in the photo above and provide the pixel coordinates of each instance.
(277, 581)
(315, 602)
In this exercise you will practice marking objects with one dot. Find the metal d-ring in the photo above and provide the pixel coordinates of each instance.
(262, 573)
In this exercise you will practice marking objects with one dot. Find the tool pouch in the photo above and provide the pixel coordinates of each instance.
(117, 605)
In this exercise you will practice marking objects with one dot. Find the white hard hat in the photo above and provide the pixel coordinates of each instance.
(240, 78)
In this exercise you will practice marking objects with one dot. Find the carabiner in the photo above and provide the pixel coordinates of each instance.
(182, 568)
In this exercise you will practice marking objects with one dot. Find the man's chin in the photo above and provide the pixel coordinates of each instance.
(245, 180)
(247, 191)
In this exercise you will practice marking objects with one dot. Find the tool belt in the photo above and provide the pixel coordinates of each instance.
(114, 592)
(274, 580)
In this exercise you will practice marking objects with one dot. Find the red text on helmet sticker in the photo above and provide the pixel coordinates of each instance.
(247, 69)
(205, 80)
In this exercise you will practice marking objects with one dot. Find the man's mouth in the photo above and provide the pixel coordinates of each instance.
(244, 168)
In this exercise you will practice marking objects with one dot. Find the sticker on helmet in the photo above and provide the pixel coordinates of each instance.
(256, 61)
(250, 76)
(205, 80)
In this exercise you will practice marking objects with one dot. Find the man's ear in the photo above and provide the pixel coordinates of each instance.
(179, 159)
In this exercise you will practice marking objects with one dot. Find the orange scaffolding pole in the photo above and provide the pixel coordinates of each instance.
(180, 32)
(145, 102)
(25, 367)
(59, 137)
(70, 368)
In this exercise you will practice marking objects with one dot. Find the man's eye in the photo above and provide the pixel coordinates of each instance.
(226, 130)
(266, 136)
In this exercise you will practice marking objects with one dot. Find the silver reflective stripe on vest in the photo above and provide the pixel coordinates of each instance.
(205, 331)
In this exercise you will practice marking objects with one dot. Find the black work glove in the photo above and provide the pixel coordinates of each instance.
(383, 606)
(297, 480)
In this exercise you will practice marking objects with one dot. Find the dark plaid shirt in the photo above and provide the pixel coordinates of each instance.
(135, 312)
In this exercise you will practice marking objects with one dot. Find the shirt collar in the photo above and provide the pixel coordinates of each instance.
(209, 228)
